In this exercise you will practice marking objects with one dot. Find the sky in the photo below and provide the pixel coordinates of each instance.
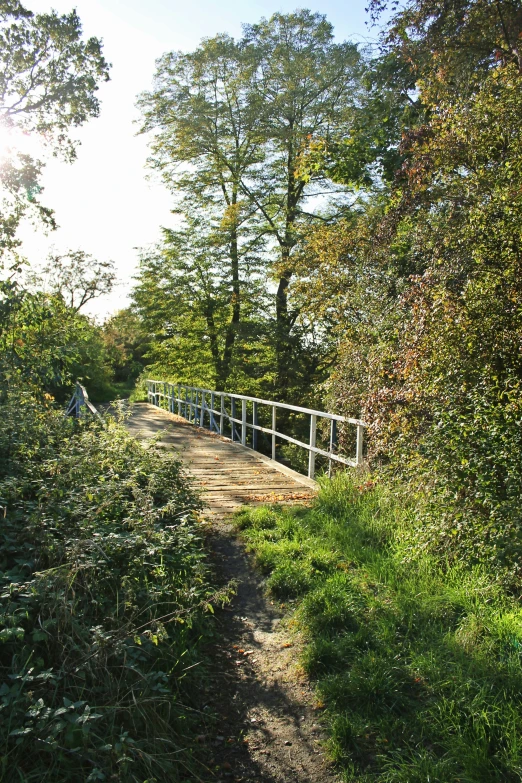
(106, 203)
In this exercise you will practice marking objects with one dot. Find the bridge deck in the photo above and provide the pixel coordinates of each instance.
(229, 474)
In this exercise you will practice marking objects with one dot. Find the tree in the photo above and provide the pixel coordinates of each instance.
(304, 82)
(126, 344)
(205, 140)
(183, 296)
(48, 82)
(448, 47)
(77, 277)
(231, 121)
(423, 290)
(45, 345)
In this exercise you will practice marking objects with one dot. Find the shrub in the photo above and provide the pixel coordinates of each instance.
(104, 595)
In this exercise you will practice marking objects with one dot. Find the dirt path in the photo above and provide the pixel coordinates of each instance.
(268, 728)
(264, 699)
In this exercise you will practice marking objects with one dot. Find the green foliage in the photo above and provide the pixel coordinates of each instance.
(105, 591)
(49, 77)
(419, 287)
(449, 404)
(126, 343)
(417, 662)
(362, 149)
(45, 344)
(445, 45)
(184, 298)
(231, 121)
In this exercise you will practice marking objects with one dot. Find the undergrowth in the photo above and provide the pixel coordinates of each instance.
(418, 661)
(104, 605)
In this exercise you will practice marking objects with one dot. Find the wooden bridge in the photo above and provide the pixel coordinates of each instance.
(217, 435)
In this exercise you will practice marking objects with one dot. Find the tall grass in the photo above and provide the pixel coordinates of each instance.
(418, 661)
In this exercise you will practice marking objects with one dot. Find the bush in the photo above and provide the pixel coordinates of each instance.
(104, 601)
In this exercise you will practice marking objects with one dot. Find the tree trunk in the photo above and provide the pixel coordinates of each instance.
(284, 342)
(231, 333)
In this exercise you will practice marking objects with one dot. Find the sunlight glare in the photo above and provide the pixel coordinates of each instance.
(14, 141)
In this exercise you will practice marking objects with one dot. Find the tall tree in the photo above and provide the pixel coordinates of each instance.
(305, 83)
(75, 276)
(231, 121)
(205, 140)
(183, 296)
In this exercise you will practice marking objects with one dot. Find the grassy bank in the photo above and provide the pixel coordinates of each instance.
(105, 603)
(418, 662)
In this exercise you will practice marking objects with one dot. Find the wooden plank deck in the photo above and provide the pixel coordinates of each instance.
(229, 474)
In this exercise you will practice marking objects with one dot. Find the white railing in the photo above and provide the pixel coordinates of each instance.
(198, 406)
(79, 402)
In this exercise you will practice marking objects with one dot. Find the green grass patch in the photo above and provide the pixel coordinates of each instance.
(419, 662)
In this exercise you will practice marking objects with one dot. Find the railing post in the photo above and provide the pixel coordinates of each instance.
(273, 432)
(165, 394)
(186, 401)
(179, 399)
(243, 422)
(255, 422)
(212, 402)
(222, 415)
(333, 442)
(233, 414)
(77, 403)
(311, 454)
(202, 417)
(359, 448)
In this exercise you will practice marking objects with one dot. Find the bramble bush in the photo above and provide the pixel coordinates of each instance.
(105, 600)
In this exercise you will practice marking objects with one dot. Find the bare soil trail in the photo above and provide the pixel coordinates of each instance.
(268, 728)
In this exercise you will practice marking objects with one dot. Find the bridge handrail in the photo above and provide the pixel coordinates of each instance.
(79, 400)
(194, 409)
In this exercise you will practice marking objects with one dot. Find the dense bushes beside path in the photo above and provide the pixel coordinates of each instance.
(104, 602)
(418, 661)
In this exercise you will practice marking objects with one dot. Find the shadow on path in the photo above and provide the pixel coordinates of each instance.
(261, 696)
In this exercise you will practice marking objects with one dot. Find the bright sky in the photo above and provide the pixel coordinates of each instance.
(103, 202)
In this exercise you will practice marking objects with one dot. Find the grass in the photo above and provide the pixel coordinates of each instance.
(418, 662)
